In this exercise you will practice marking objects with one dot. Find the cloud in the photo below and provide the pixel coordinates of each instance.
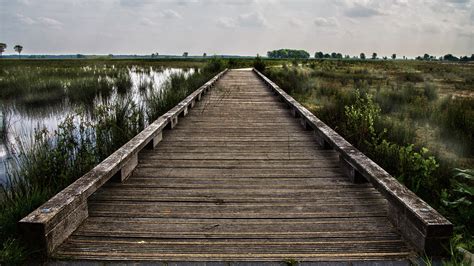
(254, 19)
(25, 20)
(403, 3)
(227, 23)
(294, 22)
(146, 22)
(250, 20)
(460, 2)
(134, 3)
(50, 22)
(325, 22)
(186, 2)
(170, 14)
(362, 11)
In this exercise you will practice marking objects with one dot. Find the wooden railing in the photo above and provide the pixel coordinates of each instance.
(49, 225)
(417, 221)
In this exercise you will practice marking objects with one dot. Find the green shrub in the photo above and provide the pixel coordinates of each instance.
(460, 199)
(416, 168)
(259, 64)
(361, 118)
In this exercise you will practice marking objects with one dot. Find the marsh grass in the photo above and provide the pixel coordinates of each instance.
(50, 161)
(178, 87)
(407, 97)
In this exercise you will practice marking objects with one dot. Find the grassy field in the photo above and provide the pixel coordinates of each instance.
(414, 118)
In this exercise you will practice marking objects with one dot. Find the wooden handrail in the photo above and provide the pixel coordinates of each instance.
(50, 224)
(418, 222)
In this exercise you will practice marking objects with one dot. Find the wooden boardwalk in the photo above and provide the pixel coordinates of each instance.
(237, 179)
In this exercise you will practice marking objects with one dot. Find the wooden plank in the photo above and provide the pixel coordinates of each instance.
(276, 172)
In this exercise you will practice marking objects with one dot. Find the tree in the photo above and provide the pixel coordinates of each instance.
(18, 48)
(288, 53)
(3, 46)
(374, 56)
(319, 55)
(333, 55)
(426, 57)
(362, 56)
(185, 54)
(394, 56)
(204, 55)
(450, 57)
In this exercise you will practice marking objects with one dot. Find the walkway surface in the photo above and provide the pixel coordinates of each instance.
(238, 179)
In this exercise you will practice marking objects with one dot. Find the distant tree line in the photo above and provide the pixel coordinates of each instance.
(288, 53)
(448, 57)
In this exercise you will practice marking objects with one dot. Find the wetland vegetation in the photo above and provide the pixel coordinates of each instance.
(101, 105)
(414, 118)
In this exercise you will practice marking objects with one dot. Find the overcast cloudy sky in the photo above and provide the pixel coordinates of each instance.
(245, 27)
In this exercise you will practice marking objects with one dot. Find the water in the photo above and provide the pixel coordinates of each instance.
(21, 122)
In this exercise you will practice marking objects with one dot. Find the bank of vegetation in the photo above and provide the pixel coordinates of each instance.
(415, 119)
(49, 161)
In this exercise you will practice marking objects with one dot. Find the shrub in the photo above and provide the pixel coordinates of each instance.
(361, 118)
(415, 169)
(259, 64)
(430, 91)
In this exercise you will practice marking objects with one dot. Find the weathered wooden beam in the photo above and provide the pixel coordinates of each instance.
(154, 142)
(49, 225)
(127, 168)
(351, 172)
(417, 221)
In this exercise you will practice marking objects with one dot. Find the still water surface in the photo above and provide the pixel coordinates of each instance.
(21, 123)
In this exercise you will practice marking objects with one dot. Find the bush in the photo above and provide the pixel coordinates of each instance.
(361, 118)
(430, 91)
(259, 64)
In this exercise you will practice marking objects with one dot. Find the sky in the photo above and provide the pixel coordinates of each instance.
(238, 27)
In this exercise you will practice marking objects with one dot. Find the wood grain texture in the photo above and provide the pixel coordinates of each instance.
(237, 179)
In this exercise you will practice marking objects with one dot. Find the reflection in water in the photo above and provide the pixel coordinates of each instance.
(24, 119)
